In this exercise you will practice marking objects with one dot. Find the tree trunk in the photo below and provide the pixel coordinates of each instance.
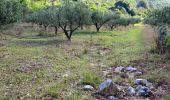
(45, 29)
(98, 29)
(67, 35)
(111, 28)
(56, 30)
(81, 27)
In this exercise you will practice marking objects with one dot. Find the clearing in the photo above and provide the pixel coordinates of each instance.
(32, 66)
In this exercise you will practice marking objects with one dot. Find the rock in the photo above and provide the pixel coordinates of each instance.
(143, 91)
(131, 91)
(108, 88)
(88, 88)
(112, 98)
(138, 73)
(119, 69)
(138, 87)
(130, 69)
(141, 82)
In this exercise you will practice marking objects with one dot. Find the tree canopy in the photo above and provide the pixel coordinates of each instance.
(10, 11)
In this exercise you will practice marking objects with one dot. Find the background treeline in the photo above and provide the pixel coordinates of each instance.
(70, 15)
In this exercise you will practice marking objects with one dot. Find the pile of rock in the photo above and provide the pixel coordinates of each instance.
(114, 91)
(128, 69)
(142, 88)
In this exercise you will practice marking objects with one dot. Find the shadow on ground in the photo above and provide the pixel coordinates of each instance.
(40, 42)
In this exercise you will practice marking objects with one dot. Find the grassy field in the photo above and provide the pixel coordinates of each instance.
(32, 66)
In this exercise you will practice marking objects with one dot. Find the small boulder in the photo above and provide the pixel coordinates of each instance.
(141, 82)
(88, 88)
(138, 73)
(108, 88)
(130, 69)
(143, 91)
(131, 91)
(112, 98)
(119, 69)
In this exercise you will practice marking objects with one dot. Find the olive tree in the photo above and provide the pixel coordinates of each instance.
(71, 16)
(45, 17)
(54, 18)
(100, 18)
(120, 21)
(113, 23)
(10, 11)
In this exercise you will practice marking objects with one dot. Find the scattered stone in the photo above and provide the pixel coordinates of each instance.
(143, 91)
(130, 69)
(108, 88)
(131, 91)
(141, 82)
(119, 69)
(88, 88)
(138, 73)
(112, 98)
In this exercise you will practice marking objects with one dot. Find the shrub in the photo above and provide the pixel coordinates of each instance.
(100, 18)
(159, 19)
(10, 11)
(71, 16)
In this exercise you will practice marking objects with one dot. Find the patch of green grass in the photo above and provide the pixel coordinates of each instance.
(69, 64)
(167, 98)
(75, 96)
(90, 78)
(156, 76)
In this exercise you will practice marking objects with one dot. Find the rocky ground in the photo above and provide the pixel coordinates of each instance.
(136, 89)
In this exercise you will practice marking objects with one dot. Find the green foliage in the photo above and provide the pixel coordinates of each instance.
(160, 18)
(124, 7)
(100, 18)
(91, 78)
(71, 16)
(142, 4)
(120, 21)
(167, 98)
(10, 11)
(158, 4)
(37, 4)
